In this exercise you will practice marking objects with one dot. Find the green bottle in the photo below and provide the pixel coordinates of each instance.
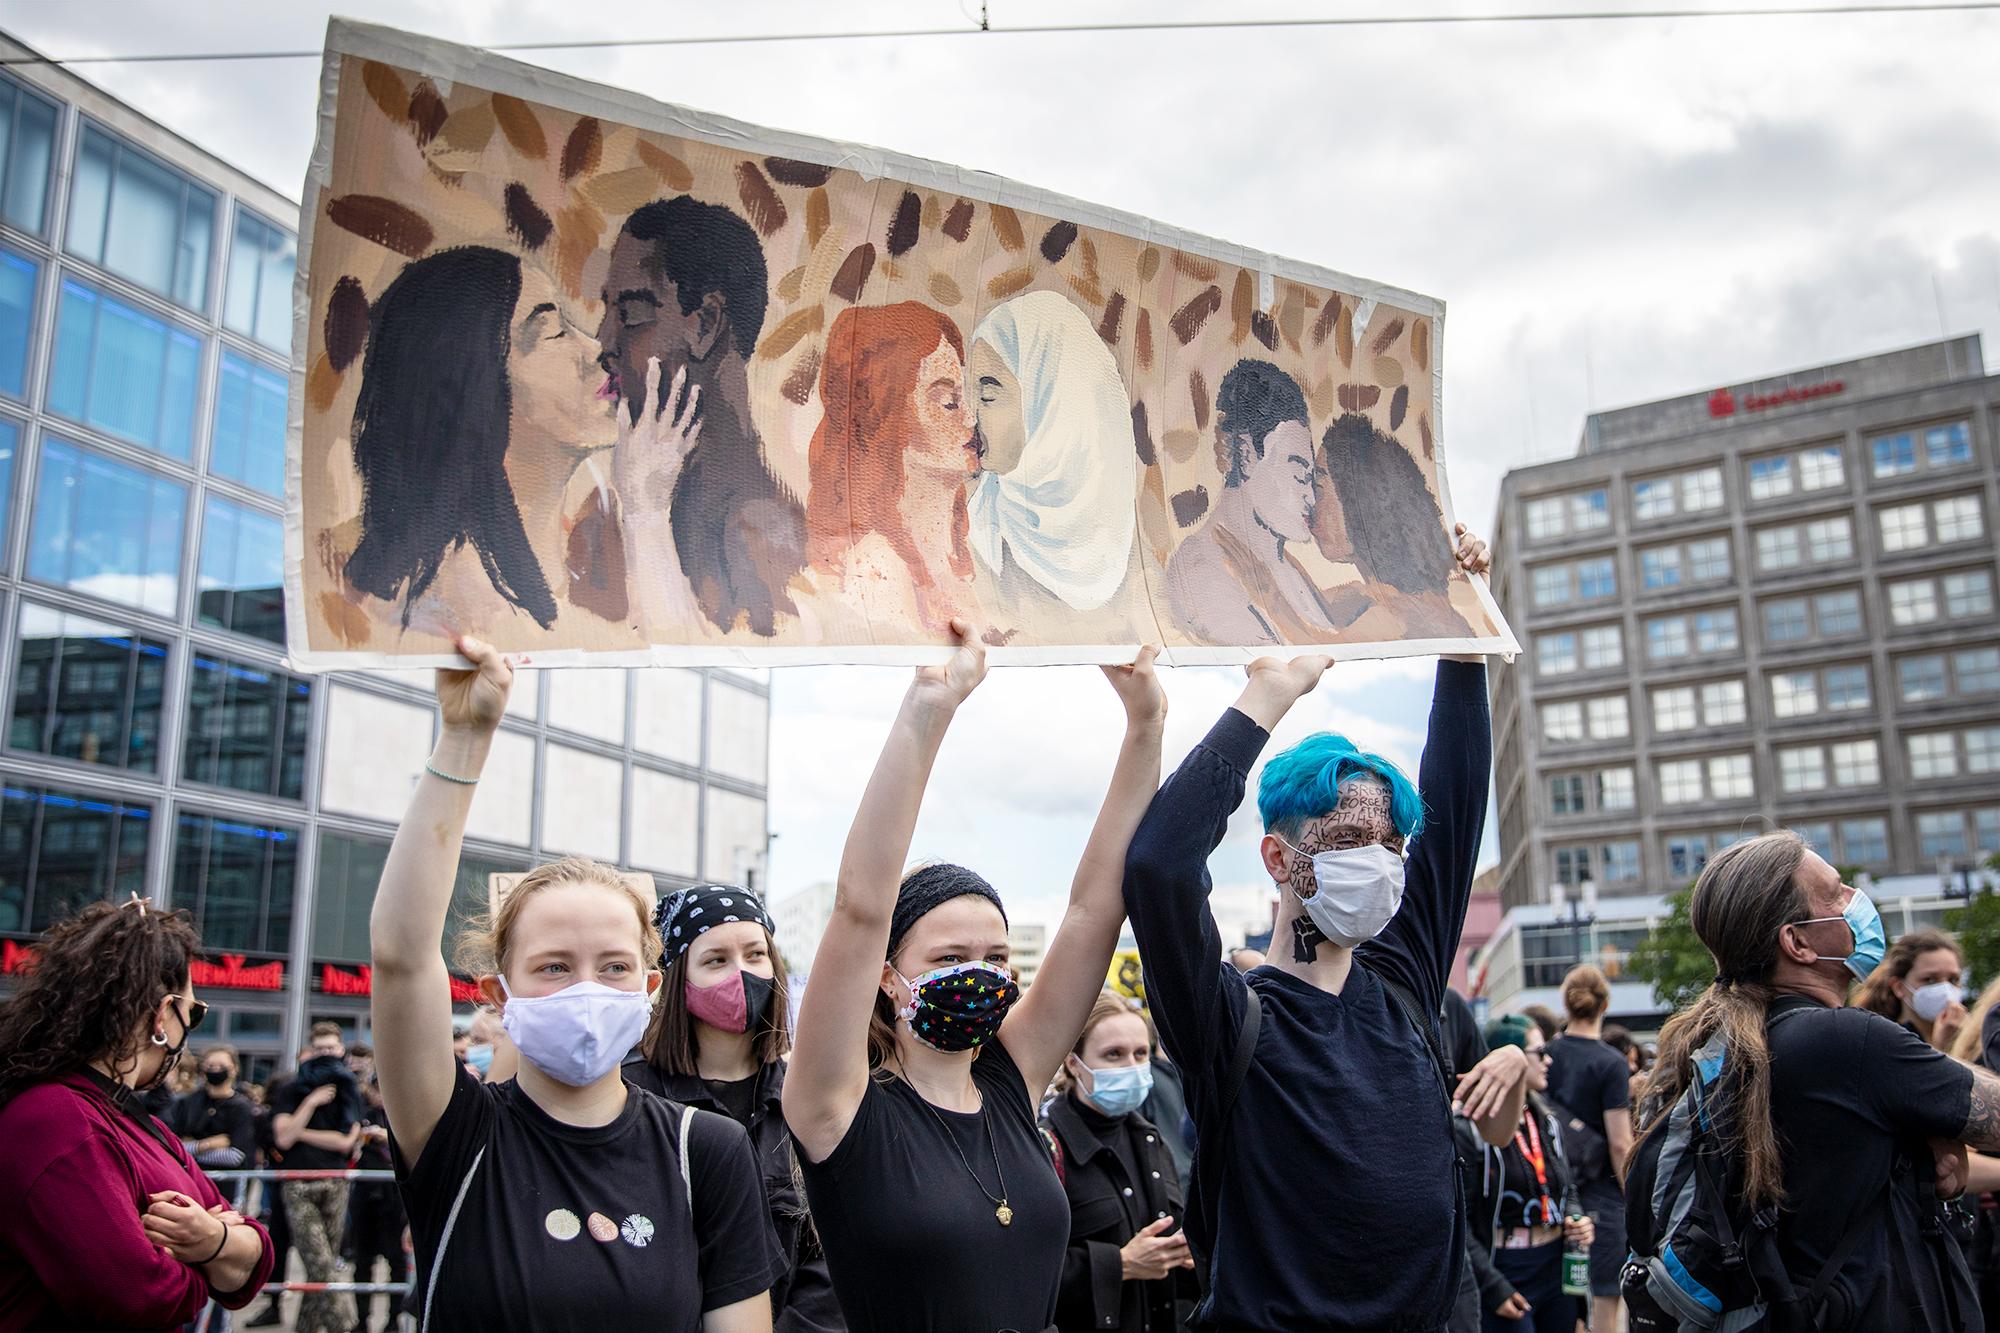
(1576, 1256)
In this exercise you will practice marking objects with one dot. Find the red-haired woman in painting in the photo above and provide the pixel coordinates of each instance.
(893, 452)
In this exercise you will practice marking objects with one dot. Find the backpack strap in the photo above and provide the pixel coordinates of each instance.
(1239, 1058)
(687, 1176)
(444, 1237)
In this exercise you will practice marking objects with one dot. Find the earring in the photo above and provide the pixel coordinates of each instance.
(159, 1039)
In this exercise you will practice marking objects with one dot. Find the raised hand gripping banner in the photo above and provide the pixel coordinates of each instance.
(597, 378)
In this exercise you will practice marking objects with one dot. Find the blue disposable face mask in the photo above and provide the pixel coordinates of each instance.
(480, 1056)
(1869, 941)
(1122, 1089)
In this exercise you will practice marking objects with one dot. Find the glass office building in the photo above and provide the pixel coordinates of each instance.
(155, 742)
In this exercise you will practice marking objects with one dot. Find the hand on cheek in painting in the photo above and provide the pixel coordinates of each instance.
(474, 700)
(1474, 557)
(1139, 689)
(650, 451)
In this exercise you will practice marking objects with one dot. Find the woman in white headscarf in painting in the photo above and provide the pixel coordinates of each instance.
(1053, 511)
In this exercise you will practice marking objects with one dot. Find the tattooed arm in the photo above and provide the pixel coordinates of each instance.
(1982, 1120)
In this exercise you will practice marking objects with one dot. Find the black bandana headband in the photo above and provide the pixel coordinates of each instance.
(693, 912)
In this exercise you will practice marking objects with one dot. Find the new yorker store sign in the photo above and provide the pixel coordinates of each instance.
(236, 972)
(1724, 403)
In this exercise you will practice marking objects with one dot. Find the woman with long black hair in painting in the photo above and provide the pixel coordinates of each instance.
(919, 1062)
(720, 1031)
(561, 1199)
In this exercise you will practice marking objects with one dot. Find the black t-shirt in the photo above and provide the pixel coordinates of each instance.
(738, 1097)
(197, 1116)
(565, 1228)
(1588, 1078)
(912, 1243)
(1848, 1087)
(303, 1156)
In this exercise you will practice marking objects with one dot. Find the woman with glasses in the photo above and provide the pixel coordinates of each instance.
(109, 1223)
(1521, 1201)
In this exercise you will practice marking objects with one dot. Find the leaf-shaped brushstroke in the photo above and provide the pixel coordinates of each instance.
(1242, 304)
(791, 330)
(1114, 312)
(933, 212)
(525, 218)
(468, 130)
(383, 221)
(760, 202)
(1142, 436)
(1359, 397)
(1264, 329)
(790, 171)
(346, 326)
(905, 226)
(1088, 253)
(1388, 371)
(1142, 340)
(1180, 444)
(854, 271)
(674, 172)
(958, 222)
(1292, 314)
(819, 216)
(1149, 263)
(1420, 344)
(1008, 283)
(427, 111)
(1424, 434)
(1085, 287)
(622, 191)
(1198, 395)
(1057, 240)
(1343, 336)
(1386, 339)
(578, 228)
(798, 385)
(1320, 396)
(1006, 227)
(1187, 321)
(789, 286)
(1194, 266)
(518, 123)
(583, 149)
(944, 291)
(385, 89)
(1399, 406)
(1189, 506)
(1327, 315)
(322, 384)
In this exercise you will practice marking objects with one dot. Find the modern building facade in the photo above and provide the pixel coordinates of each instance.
(1769, 604)
(156, 743)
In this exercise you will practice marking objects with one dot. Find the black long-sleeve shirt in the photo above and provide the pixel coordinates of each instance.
(1336, 1183)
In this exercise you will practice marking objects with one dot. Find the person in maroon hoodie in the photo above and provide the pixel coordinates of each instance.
(109, 1224)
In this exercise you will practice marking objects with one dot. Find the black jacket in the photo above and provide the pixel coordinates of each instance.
(801, 1301)
(1094, 1293)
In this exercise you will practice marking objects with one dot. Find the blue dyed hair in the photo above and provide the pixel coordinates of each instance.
(1304, 783)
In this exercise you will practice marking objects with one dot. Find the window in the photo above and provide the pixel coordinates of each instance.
(1680, 781)
(1839, 613)
(1948, 446)
(1770, 478)
(1847, 689)
(1902, 527)
(1596, 578)
(246, 727)
(1722, 703)
(666, 706)
(1562, 722)
(1982, 750)
(582, 799)
(1708, 560)
(1817, 835)
(1865, 841)
(10, 440)
(1932, 755)
(242, 580)
(1986, 829)
(1609, 720)
(1969, 594)
(1566, 795)
(1666, 637)
(18, 277)
(1603, 647)
(1555, 655)
(1729, 777)
(1794, 694)
(1715, 632)
(1857, 764)
(1785, 621)
(1660, 567)
(503, 805)
(236, 878)
(1686, 855)
(1913, 602)
(1778, 548)
(1895, 455)
(140, 219)
(107, 529)
(1552, 585)
(1977, 670)
(665, 839)
(344, 893)
(1545, 518)
(1801, 769)
(1940, 833)
(258, 300)
(375, 751)
(1653, 499)
(733, 838)
(61, 851)
(124, 372)
(27, 143)
(87, 691)
(1958, 518)
(1674, 709)
(1589, 511)
(1821, 469)
(1614, 789)
(1618, 862)
(248, 442)
(1830, 539)
(1702, 490)
(1572, 865)
(1921, 679)
(589, 701)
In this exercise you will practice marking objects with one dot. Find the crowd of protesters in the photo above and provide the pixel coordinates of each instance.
(645, 1127)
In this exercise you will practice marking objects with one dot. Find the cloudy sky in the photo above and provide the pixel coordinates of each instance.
(1613, 212)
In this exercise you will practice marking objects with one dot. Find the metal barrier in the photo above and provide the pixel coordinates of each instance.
(215, 1320)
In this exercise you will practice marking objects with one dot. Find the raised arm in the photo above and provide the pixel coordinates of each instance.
(411, 1008)
(829, 1063)
(1044, 1026)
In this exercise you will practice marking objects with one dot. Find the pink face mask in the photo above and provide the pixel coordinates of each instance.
(737, 1004)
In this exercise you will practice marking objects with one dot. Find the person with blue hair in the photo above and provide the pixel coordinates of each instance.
(1325, 1191)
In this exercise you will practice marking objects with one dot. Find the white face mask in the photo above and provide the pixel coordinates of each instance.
(578, 1034)
(1358, 892)
(1932, 1000)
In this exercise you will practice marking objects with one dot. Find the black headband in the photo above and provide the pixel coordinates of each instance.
(932, 886)
(693, 912)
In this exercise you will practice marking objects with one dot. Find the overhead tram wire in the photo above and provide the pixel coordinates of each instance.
(1050, 29)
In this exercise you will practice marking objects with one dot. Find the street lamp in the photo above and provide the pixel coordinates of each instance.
(1582, 911)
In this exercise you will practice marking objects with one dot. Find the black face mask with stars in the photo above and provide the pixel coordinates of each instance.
(958, 1008)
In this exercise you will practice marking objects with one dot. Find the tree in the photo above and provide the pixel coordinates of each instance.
(1672, 957)
(1977, 925)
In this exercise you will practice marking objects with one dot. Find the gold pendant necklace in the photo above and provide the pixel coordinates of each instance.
(1005, 1214)
(1001, 1211)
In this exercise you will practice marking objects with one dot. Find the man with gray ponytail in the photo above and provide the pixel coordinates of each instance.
(1830, 1132)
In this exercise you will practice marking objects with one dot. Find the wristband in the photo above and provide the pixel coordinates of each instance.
(218, 1247)
(449, 777)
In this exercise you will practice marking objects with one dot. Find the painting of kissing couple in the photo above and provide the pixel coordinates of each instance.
(597, 378)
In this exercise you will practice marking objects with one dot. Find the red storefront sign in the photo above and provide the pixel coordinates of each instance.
(1723, 403)
(17, 959)
(232, 974)
(339, 981)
